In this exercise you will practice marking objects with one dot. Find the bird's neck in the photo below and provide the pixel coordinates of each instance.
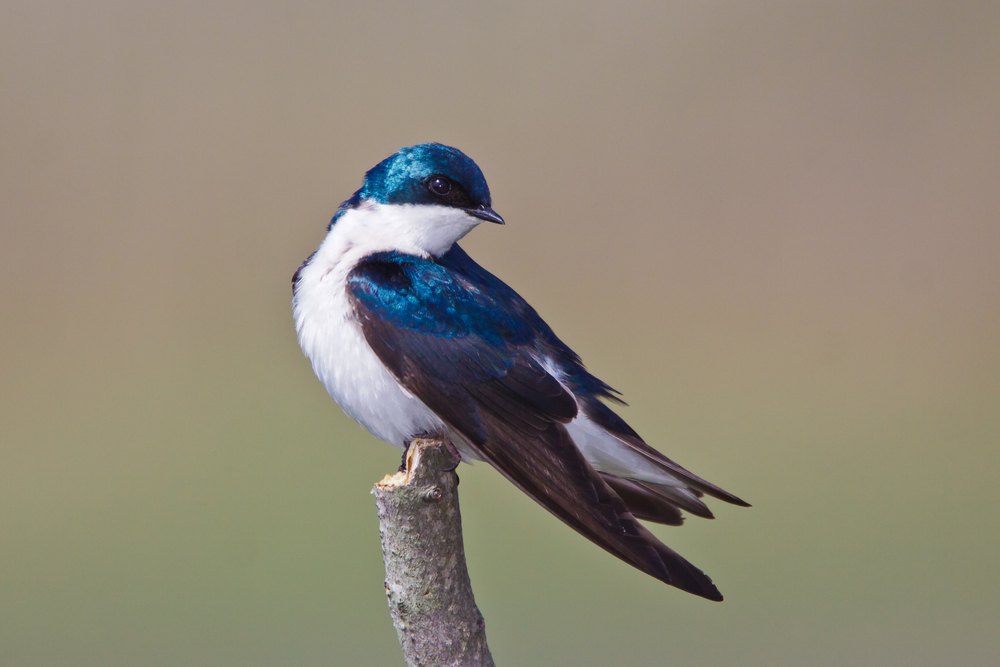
(415, 229)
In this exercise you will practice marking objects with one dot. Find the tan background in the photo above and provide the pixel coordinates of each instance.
(774, 226)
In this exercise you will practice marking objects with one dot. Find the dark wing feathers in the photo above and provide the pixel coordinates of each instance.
(465, 352)
(550, 469)
(580, 381)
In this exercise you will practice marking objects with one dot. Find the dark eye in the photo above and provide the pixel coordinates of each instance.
(439, 185)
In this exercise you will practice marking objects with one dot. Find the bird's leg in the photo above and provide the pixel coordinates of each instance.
(456, 457)
(406, 450)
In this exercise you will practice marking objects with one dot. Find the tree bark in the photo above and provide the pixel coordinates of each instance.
(426, 580)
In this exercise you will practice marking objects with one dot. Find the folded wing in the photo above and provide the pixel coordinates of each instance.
(471, 359)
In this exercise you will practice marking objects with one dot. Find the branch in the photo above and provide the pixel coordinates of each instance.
(426, 581)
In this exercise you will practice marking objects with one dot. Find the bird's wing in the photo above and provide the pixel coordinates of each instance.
(469, 359)
(591, 393)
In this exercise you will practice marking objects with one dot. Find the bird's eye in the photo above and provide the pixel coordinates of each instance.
(439, 185)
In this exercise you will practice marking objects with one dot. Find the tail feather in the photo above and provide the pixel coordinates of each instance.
(644, 503)
(684, 498)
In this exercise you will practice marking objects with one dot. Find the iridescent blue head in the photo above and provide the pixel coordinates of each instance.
(427, 174)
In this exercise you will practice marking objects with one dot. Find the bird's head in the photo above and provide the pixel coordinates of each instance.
(426, 196)
(430, 175)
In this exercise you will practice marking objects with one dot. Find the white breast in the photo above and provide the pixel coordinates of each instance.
(329, 332)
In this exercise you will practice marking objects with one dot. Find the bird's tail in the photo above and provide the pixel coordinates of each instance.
(548, 467)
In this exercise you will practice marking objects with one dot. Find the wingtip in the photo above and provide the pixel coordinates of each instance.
(692, 580)
(714, 596)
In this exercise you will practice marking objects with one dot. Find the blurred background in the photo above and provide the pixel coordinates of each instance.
(774, 226)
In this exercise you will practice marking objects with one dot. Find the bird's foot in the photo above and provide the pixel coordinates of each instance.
(456, 457)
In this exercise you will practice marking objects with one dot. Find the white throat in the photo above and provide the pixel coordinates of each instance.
(415, 229)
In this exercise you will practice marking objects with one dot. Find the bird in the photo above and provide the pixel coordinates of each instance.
(413, 338)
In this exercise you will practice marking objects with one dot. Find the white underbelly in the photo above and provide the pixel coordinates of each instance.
(357, 379)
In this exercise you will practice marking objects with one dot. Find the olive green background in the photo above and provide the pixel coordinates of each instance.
(774, 226)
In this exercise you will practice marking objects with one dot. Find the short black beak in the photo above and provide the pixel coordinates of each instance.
(484, 212)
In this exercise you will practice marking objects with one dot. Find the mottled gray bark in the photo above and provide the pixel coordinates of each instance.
(426, 581)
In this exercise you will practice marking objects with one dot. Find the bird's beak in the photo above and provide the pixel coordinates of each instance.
(484, 212)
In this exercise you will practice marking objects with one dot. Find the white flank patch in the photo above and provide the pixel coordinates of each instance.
(603, 449)
(609, 454)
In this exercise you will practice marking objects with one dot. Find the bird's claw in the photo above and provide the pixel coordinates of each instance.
(456, 457)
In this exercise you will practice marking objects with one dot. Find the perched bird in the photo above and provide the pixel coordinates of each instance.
(411, 337)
